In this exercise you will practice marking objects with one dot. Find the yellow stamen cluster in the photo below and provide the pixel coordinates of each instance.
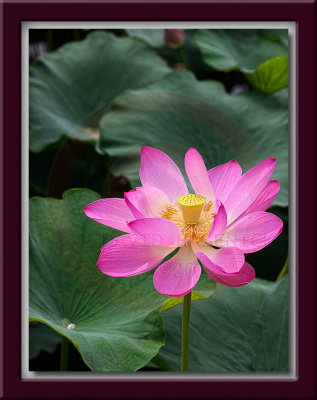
(196, 233)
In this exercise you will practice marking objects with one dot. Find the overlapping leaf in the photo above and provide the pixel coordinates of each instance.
(179, 112)
(70, 87)
(41, 337)
(236, 329)
(262, 56)
(152, 37)
(270, 76)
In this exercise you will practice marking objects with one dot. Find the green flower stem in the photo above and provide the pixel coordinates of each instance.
(283, 271)
(64, 354)
(184, 58)
(185, 332)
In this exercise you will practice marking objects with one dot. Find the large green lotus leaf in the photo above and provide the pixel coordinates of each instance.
(179, 112)
(72, 86)
(236, 329)
(262, 57)
(113, 322)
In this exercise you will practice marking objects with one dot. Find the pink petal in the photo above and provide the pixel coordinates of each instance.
(225, 267)
(219, 223)
(248, 189)
(159, 170)
(242, 278)
(157, 231)
(228, 260)
(128, 255)
(136, 213)
(146, 202)
(223, 178)
(111, 212)
(198, 175)
(178, 276)
(252, 232)
(265, 198)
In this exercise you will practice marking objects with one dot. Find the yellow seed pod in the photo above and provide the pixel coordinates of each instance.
(191, 206)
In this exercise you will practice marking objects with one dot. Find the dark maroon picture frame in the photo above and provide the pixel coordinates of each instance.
(305, 15)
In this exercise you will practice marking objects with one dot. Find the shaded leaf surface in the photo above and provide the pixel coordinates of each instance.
(152, 37)
(179, 112)
(71, 87)
(42, 337)
(245, 49)
(236, 329)
(262, 56)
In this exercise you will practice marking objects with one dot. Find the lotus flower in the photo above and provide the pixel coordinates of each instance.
(180, 66)
(174, 38)
(221, 221)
